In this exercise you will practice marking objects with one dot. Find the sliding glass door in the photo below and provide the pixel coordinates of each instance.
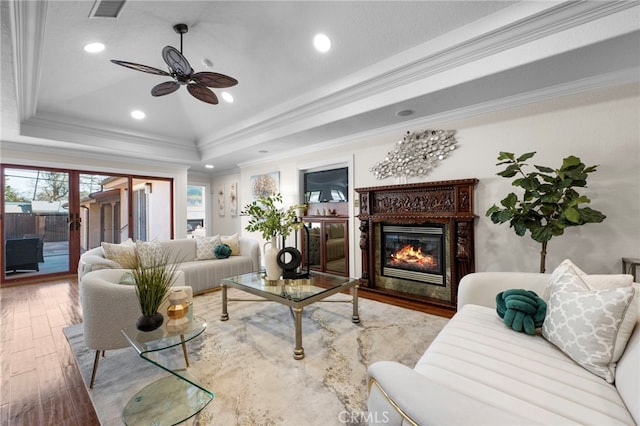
(36, 222)
(51, 216)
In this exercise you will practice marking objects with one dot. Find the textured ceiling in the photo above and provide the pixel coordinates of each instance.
(431, 57)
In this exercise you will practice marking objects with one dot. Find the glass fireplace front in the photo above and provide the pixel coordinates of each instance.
(414, 252)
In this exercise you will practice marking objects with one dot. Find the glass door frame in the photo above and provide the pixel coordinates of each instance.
(75, 214)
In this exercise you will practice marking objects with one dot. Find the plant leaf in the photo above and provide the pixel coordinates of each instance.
(510, 171)
(525, 157)
(589, 215)
(492, 210)
(541, 234)
(544, 169)
(509, 201)
(570, 161)
(572, 215)
(506, 156)
(519, 226)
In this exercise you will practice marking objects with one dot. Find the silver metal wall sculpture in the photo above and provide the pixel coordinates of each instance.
(416, 154)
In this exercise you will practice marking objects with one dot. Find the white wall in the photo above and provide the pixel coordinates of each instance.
(602, 128)
(159, 214)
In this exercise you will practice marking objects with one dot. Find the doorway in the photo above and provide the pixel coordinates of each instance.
(51, 216)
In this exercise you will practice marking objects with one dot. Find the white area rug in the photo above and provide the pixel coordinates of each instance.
(247, 361)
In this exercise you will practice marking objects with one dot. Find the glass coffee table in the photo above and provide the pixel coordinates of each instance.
(296, 294)
(171, 399)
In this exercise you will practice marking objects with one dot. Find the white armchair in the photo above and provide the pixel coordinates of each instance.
(108, 307)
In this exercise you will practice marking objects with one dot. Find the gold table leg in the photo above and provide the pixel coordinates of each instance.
(298, 351)
(355, 318)
(225, 315)
(184, 350)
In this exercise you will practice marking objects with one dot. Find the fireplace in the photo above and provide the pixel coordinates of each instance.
(413, 252)
(417, 240)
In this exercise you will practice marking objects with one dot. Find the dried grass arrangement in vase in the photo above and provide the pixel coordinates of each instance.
(153, 279)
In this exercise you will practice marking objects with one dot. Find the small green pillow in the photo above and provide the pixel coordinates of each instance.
(222, 251)
(127, 279)
(522, 310)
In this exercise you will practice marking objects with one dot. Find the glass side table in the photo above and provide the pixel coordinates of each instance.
(172, 399)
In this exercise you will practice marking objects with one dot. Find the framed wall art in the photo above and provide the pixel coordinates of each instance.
(221, 199)
(265, 185)
(233, 198)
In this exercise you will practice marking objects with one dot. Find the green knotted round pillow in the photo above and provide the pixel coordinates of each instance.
(222, 251)
(522, 310)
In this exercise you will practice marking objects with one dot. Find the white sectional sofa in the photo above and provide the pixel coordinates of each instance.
(478, 371)
(200, 275)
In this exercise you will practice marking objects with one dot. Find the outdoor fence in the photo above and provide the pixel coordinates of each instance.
(54, 227)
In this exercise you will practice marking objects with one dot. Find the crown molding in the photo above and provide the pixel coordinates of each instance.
(72, 157)
(438, 59)
(435, 120)
(28, 25)
(126, 143)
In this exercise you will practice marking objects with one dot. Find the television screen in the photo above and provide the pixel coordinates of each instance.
(326, 186)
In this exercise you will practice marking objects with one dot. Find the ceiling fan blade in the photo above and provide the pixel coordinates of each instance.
(139, 67)
(165, 88)
(202, 93)
(213, 79)
(176, 61)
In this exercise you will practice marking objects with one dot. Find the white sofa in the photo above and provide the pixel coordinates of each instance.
(200, 275)
(478, 371)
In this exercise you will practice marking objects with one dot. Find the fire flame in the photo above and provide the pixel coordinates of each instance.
(409, 255)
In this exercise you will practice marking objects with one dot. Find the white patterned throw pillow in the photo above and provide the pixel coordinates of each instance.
(591, 326)
(594, 282)
(150, 253)
(205, 247)
(124, 254)
(233, 243)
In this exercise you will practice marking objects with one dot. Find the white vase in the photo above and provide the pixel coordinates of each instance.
(270, 260)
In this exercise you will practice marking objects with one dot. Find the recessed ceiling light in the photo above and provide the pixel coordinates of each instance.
(209, 166)
(322, 43)
(94, 47)
(138, 115)
(227, 96)
(404, 113)
(263, 151)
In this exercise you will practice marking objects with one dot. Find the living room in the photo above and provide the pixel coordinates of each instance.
(574, 91)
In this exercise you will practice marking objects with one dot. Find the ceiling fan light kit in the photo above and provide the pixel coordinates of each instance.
(180, 70)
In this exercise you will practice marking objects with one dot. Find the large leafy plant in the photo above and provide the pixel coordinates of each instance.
(271, 220)
(549, 203)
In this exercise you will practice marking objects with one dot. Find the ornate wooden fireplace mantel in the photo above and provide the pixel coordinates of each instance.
(446, 203)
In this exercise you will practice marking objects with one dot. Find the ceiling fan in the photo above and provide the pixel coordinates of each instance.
(179, 69)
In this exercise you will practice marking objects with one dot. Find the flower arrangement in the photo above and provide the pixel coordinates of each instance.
(271, 220)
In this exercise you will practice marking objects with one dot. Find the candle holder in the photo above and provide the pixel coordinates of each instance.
(177, 311)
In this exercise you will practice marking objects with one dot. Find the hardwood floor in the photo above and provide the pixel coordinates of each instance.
(40, 383)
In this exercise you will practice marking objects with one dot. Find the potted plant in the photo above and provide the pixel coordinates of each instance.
(152, 279)
(549, 203)
(271, 220)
